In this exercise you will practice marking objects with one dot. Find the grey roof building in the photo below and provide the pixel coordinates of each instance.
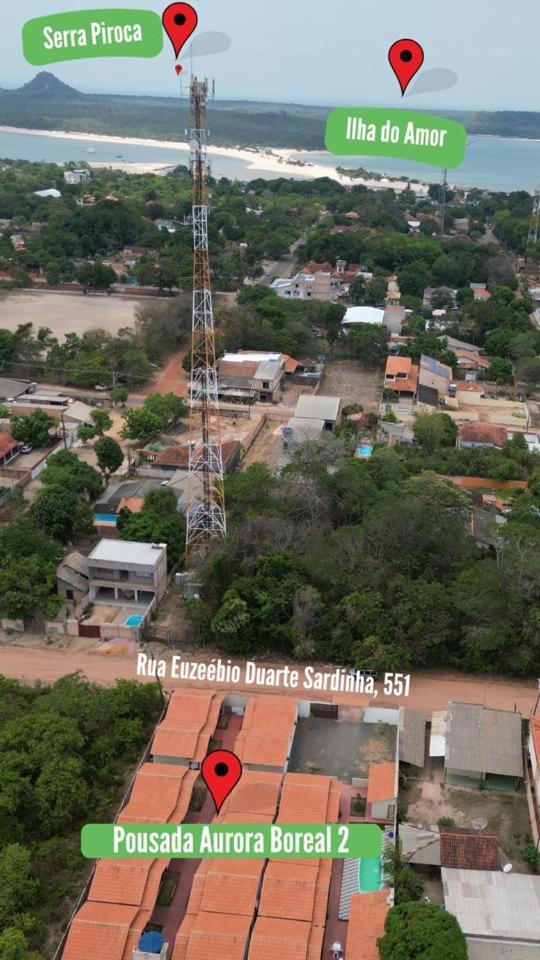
(412, 737)
(483, 744)
(328, 409)
(495, 908)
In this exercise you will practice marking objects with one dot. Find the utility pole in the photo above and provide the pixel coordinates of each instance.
(205, 512)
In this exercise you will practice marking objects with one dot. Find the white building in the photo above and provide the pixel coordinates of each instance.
(354, 315)
(48, 193)
(127, 572)
(308, 286)
(77, 176)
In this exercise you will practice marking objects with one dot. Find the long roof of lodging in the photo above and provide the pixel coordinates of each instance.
(212, 936)
(228, 888)
(366, 924)
(296, 891)
(132, 882)
(105, 931)
(266, 731)
(286, 940)
(161, 793)
(188, 725)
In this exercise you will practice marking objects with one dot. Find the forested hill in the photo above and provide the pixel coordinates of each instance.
(46, 103)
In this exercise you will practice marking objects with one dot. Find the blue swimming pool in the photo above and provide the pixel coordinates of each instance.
(134, 620)
(105, 517)
(364, 451)
(369, 874)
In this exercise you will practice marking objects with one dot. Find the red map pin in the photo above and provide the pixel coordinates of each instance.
(179, 22)
(221, 771)
(406, 57)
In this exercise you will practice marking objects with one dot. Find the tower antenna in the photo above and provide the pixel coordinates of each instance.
(206, 517)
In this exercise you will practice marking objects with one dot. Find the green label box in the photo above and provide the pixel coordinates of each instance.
(237, 841)
(369, 132)
(92, 33)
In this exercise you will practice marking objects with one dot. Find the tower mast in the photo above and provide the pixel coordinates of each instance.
(205, 510)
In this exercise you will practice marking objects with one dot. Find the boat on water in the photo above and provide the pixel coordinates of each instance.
(91, 150)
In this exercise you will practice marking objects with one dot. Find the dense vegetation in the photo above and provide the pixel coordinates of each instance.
(45, 103)
(422, 931)
(32, 545)
(65, 751)
(371, 563)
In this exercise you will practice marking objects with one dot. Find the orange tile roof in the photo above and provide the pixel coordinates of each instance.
(288, 890)
(257, 794)
(397, 364)
(306, 799)
(467, 850)
(226, 886)
(161, 793)
(488, 433)
(210, 936)
(134, 882)
(285, 940)
(366, 924)
(7, 444)
(133, 504)
(105, 931)
(190, 721)
(535, 733)
(266, 731)
(381, 782)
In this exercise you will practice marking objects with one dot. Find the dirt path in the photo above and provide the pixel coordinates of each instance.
(174, 379)
(429, 691)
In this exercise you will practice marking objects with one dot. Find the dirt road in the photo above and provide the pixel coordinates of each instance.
(174, 379)
(429, 691)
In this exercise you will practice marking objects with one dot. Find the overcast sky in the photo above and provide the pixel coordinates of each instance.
(322, 52)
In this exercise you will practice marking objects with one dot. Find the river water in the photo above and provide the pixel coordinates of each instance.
(494, 163)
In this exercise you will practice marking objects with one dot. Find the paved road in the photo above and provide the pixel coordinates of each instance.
(429, 691)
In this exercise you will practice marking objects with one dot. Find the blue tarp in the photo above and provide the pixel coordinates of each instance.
(151, 942)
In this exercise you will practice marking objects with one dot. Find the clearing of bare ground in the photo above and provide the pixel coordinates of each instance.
(352, 382)
(424, 802)
(67, 312)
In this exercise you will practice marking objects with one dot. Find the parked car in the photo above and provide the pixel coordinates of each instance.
(27, 448)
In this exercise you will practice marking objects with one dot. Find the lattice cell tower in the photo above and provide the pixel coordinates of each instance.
(205, 510)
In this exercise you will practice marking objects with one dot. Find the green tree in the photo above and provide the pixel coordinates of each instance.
(64, 469)
(85, 433)
(109, 455)
(33, 429)
(141, 425)
(53, 511)
(357, 290)
(500, 371)
(422, 931)
(119, 395)
(158, 522)
(529, 372)
(435, 429)
(96, 276)
(101, 420)
(18, 890)
(368, 343)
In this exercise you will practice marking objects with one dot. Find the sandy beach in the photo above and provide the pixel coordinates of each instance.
(284, 163)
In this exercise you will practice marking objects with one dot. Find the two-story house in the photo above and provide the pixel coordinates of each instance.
(121, 571)
(251, 376)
